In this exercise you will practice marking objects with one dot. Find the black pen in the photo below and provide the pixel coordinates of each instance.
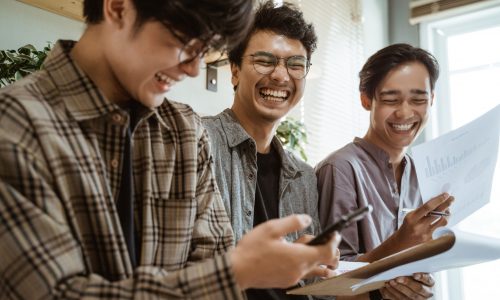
(431, 213)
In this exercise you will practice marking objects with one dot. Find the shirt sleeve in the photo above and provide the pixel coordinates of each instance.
(41, 256)
(213, 232)
(337, 197)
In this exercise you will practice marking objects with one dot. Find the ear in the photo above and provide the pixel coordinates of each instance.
(366, 102)
(235, 74)
(113, 11)
(432, 98)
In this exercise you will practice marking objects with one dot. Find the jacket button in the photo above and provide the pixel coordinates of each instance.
(250, 176)
(249, 213)
(117, 118)
(114, 163)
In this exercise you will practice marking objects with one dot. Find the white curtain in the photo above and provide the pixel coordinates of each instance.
(330, 108)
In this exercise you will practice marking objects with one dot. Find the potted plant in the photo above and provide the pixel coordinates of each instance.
(293, 136)
(15, 64)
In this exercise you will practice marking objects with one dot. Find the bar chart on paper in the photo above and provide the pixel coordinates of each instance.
(436, 166)
(462, 163)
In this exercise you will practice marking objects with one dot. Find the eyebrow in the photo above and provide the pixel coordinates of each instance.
(264, 53)
(398, 92)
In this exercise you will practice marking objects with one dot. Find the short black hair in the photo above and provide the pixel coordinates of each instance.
(285, 20)
(203, 19)
(383, 61)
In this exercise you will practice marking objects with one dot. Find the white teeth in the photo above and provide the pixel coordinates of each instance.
(274, 93)
(164, 78)
(402, 127)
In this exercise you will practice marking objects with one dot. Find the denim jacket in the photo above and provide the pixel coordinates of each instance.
(235, 157)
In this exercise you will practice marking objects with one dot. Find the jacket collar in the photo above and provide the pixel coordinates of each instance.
(236, 135)
(82, 98)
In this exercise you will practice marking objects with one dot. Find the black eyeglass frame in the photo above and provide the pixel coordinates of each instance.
(186, 42)
(277, 61)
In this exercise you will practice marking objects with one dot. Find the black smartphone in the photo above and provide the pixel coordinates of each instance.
(344, 221)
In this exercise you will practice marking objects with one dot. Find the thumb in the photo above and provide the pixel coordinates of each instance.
(289, 224)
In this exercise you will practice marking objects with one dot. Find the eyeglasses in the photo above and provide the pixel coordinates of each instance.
(265, 63)
(192, 48)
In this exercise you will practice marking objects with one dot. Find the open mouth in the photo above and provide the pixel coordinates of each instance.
(274, 95)
(406, 127)
(164, 79)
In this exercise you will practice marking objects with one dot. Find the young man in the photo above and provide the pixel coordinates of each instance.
(397, 87)
(106, 188)
(258, 179)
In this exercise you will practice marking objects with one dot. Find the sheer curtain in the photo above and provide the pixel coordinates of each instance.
(330, 108)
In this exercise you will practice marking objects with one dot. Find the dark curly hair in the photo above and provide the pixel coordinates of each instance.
(383, 61)
(203, 19)
(285, 20)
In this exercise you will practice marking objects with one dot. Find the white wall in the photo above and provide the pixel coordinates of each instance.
(22, 24)
(375, 25)
(192, 91)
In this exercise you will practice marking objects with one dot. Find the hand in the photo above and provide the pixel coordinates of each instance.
(264, 259)
(418, 225)
(418, 287)
(322, 271)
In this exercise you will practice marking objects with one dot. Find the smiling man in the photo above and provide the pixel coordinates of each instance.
(397, 88)
(258, 179)
(106, 187)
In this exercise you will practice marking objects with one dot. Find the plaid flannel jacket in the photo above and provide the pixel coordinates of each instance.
(61, 148)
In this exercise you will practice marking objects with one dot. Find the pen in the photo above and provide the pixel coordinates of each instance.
(431, 213)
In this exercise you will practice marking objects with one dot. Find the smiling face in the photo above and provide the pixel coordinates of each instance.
(266, 98)
(143, 64)
(401, 107)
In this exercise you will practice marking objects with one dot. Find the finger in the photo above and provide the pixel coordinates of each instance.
(424, 278)
(400, 291)
(320, 271)
(281, 227)
(389, 292)
(441, 222)
(430, 205)
(304, 239)
(412, 289)
(446, 204)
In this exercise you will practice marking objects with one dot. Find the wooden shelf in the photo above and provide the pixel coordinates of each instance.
(69, 8)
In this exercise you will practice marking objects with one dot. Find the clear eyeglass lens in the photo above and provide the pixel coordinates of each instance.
(193, 49)
(297, 66)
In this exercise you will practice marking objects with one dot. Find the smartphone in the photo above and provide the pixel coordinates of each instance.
(344, 221)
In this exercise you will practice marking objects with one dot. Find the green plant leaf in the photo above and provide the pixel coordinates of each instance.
(15, 64)
(293, 136)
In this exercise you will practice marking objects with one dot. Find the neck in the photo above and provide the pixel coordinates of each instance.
(95, 65)
(261, 131)
(396, 154)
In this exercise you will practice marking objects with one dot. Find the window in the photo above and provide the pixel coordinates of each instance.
(468, 49)
(331, 109)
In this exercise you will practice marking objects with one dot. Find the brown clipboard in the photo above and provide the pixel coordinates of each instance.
(341, 285)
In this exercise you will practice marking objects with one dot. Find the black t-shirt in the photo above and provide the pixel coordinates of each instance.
(266, 193)
(266, 208)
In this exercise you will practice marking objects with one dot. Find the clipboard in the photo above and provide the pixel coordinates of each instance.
(448, 249)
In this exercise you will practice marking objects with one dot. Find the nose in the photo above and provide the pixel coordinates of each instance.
(280, 73)
(191, 68)
(405, 110)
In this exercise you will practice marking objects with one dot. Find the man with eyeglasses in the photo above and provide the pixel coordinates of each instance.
(258, 179)
(106, 187)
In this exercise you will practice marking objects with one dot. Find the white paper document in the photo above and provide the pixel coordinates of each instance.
(462, 163)
(467, 249)
(347, 266)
